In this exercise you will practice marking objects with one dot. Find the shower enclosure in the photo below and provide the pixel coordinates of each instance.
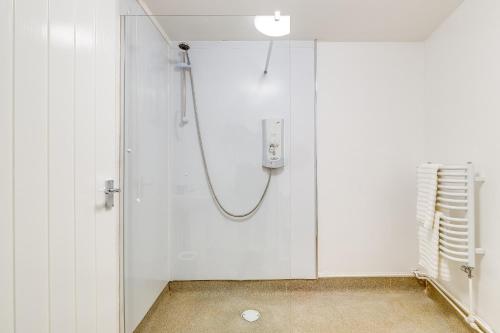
(218, 155)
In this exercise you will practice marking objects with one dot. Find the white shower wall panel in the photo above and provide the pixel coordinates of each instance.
(233, 96)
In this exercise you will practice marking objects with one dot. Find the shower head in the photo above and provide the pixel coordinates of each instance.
(184, 46)
(185, 55)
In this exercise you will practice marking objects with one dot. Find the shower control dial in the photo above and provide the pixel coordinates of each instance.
(272, 136)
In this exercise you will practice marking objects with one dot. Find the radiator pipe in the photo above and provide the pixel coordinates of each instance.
(468, 315)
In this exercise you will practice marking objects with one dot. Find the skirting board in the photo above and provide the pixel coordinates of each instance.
(365, 275)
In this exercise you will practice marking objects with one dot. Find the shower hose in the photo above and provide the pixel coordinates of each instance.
(205, 164)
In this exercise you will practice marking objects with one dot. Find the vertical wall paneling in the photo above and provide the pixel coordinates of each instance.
(107, 58)
(31, 166)
(85, 143)
(6, 169)
(61, 166)
(58, 245)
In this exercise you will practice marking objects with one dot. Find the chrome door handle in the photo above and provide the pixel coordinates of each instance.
(109, 193)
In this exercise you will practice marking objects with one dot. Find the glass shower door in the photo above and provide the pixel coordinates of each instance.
(147, 77)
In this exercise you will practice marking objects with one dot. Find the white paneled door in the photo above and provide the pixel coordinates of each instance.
(59, 245)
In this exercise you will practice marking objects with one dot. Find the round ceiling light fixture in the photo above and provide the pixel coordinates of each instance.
(273, 26)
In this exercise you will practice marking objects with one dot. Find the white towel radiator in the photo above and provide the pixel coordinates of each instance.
(455, 201)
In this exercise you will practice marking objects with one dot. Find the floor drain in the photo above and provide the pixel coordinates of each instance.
(250, 315)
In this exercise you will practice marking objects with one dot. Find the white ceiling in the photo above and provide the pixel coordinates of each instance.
(329, 20)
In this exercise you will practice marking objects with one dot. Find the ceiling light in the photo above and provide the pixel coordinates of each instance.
(273, 26)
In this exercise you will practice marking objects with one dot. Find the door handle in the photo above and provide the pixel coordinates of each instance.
(109, 193)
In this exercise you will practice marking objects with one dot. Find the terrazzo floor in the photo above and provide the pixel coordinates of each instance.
(327, 305)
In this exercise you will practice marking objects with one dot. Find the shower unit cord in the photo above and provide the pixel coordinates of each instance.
(185, 48)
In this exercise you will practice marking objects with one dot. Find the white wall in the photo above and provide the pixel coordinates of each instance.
(279, 240)
(370, 124)
(463, 114)
(147, 114)
(59, 255)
